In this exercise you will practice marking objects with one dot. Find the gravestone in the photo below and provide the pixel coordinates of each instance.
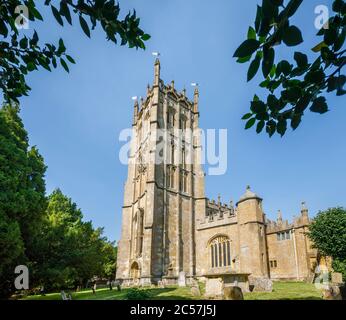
(261, 284)
(213, 288)
(195, 291)
(182, 279)
(232, 293)
(161, 284)
(337, 278)
(331, 293)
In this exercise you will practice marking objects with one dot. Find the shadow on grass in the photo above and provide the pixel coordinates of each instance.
(159, 294)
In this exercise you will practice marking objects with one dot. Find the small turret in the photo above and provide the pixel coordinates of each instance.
(252, 239)
(231, 208)
(279, 217)
(304, 210)
(195, 100)
(135, 112)
(157, 72)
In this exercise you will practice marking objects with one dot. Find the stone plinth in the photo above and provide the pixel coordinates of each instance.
(216, 282)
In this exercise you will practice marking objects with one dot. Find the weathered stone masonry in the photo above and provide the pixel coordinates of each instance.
(168, 224)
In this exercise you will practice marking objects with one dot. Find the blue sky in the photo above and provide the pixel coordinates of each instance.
(75, 119)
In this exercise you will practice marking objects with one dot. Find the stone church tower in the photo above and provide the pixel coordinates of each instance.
(162, 195)
(169, 227)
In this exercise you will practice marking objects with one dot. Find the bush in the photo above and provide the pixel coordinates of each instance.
(137, 294)
(340, 266)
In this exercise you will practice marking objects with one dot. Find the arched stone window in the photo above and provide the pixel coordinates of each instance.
(220, 251)
(139, 220)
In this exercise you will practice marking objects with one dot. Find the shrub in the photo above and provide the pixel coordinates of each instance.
(137, 294)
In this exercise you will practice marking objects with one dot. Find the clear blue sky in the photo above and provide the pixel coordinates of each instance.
(75, 118)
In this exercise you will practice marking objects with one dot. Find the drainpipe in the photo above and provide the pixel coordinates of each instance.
(295, 253)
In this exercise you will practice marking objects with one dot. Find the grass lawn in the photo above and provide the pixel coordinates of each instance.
(281, 291)
(287, 291)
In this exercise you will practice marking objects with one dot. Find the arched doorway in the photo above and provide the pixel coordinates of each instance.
(135, 271)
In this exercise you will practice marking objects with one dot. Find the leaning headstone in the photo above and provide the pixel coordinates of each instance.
(232, 293)
(195, 292)
(337, 278)
(182, 279)
(261, 284)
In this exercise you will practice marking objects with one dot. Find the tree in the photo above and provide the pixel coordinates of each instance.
(72, 251)
(110, 260)
(328, 233)
(20, 55)
(22, 196)
(301, 84)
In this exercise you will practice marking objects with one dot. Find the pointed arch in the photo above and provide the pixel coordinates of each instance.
(219, 247)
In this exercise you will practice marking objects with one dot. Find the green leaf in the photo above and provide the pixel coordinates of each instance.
(260, 126)
(264, 27)
(278, 3)
(338, 5)
(319, 105)
(268, 61)
(243, 60)
(283, 67)
(251, 34)
(302, 103)
(258, 107)
(65, 11)
(247, 48)
(69, 58)
(282, 127)
(338, 44)
(62, 47)
(269, 9)
(292, 7)
(292, 36)
(23, 43)
(301, 59)
(272, 102)
(247, 116)
(254, 66)
(271, 127)
(64, 64)
(319, 47)
(295, 121)
(258, 18)
(57, 15)
(292, 94)
(145, 37)
(330, 36)
(3, 28)
(84, 26)
(250, 123)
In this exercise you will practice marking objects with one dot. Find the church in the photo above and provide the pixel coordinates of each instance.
(169, 226)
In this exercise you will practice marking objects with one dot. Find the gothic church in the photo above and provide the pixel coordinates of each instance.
(169, 226)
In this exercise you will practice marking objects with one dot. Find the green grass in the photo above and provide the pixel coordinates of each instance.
(287, 291)
(281, 291)
(168, 293)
